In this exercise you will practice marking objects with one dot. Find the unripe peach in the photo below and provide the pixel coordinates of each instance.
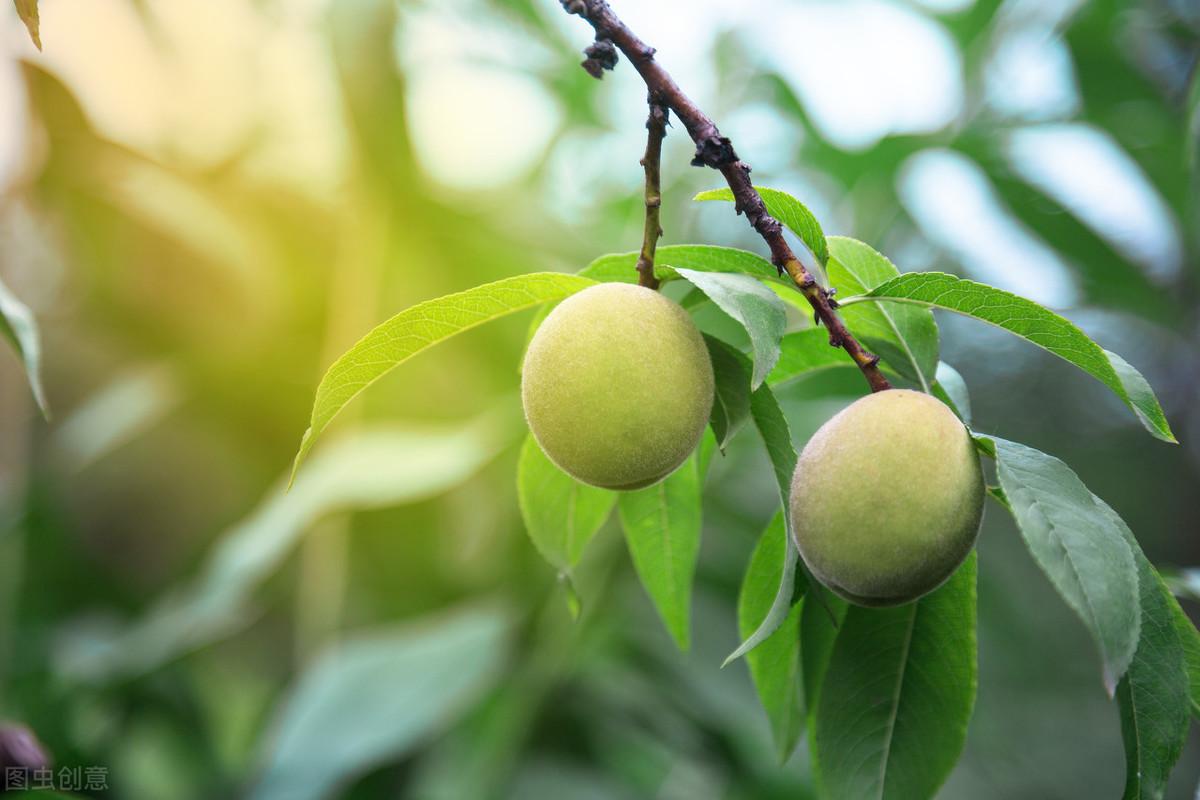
(887, 498)
(617, 386)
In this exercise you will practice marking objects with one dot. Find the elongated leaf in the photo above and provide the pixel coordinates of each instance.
(701, 257)
(561, 514)
(788, 210)
(419, 327)
(18, 326)
(757, 308)
(731, 403)
(818, 631)
(1079, 547)
(904, 336)
(893, 707)
(27, 10)
(1031, 321)
(1189, 637)
(662, 531)
(376, 696)
(803, 352)
(374, 467)
(951, 389)
(773, 428)
(775, 664)
(1153, 695)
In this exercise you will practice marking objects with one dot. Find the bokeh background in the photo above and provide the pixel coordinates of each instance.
(205, 201)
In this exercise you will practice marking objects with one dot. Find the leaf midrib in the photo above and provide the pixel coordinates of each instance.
(891, 727)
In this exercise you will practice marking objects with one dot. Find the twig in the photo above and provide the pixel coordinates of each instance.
(716, 151)
(656, 128)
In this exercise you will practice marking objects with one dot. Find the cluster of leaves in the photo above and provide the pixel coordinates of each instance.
(885, 695)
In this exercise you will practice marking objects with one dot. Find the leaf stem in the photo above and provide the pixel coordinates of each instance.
(656, 131)
(716, 151)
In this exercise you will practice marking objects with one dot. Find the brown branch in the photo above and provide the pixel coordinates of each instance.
(656, 131)
(716, 151)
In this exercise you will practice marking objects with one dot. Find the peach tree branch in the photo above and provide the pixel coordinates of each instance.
(716, 151)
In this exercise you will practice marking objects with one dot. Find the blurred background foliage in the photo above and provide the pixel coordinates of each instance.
(205, 201)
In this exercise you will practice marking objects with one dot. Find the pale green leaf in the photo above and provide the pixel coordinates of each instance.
(561, 514)
(754, 306)
(662, 531)
(419, 327)
(893, 708)
(1079, 547)
(374, 697)
(27, 10)
(731, 401)
(1189, 637)
(18, 326)
(951, 389)
(789, 211)
(773, 428)
(376, 467)
(775, 664)
(701, 257)
(906, 337)
(819, 625)
(804, 352)
(1031, 321)
(1153, 695)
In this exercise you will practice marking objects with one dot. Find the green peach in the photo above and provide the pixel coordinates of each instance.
(887, 498)
(617, 386)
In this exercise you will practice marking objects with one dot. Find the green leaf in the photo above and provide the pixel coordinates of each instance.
(1031, 321)
(425, 324)
(662, 531)
(896, 698)
(1079, 547)
(951, 389)
(773, 428)
(819, 627)
(803, 352)
(27, 10)
(788, 210)
(731, 403)
(775, 664)
(561, 514)
(19, 327)
(904, 336)
(701, 257)
(757, 308)
(1153, 695)
(374, 697)
(375, 467)
(1189, 637)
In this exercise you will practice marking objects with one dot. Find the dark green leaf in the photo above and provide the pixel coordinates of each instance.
(788, 210)
(819, 626)
(27, 10)
(1078, 546)
(757, 308)
(1153, 695)
(731, 403)
(893, 708)
(19, 327)
(773, 428)
(701, 257)
(1030, 321)
(904, 336)
(662, 530)
(424, 325)
(775, 664)
(374, 697)
(561, 514)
